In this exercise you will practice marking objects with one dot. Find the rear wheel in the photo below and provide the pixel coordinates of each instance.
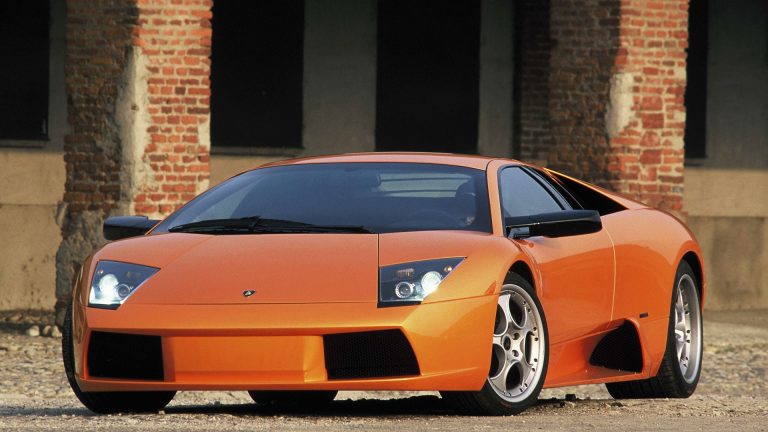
(310, 398)
(108, 402)
(519, 355)
(681, 366)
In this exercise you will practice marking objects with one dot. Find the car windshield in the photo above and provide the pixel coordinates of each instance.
(370, 197)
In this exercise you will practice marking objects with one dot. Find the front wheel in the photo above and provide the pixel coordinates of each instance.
(108, 402)
(681, 366)
(519, 355)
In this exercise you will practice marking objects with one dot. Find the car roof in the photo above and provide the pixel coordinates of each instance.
(470, 161)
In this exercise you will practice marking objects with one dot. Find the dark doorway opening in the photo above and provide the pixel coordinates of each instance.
(531, 62)
(696, 87)
(24, 46)
(257, 73)
(427, 91)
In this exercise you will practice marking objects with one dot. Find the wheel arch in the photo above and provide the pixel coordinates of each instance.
(517, 260)
(693, 260)
(522, 269)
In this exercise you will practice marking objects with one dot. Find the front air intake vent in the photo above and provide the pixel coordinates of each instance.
(373, 354)
(125, 356)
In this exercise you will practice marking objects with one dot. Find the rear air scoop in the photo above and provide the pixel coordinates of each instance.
(274, 268)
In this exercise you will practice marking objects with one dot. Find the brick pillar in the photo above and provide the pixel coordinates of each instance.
(137, 82)
(616, 100)
(175, 43)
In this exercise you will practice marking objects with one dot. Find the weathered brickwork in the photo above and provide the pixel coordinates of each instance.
(648, 152)
(584, 45)
(616, 95)
(137, 81)
(99, 38)
(175, 36)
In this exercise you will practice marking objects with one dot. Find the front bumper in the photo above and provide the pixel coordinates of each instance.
(281, 346)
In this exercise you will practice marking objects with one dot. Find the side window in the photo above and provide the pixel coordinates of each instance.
(589, 199)
(555, 189)
(522, 195)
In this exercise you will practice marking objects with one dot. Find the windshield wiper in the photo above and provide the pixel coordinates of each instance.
(217, 225)
(257, 225)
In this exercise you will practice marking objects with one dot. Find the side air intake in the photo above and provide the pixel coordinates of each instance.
(619, 349)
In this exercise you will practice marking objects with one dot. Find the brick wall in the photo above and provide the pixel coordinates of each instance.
(616, 95)
(138, 90)
(98, 40)
(648, 152)
(584, 46)
(175, 37)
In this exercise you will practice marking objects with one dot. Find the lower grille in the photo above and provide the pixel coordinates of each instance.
(371, 354)
(126, 356)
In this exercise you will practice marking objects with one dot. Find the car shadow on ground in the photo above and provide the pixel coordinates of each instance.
(44, 412)
(412, 406)
(416, 405)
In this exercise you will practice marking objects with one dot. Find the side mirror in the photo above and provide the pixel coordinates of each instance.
(557, 224)
(120, 227)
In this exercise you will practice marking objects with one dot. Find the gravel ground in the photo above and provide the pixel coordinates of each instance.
(732, 395)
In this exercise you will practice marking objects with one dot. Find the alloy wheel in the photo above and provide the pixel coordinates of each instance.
(687, 316)
(518, 345)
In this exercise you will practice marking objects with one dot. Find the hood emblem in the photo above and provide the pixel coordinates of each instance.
(248, 293)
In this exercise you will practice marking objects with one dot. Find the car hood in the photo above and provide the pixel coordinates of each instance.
(279, 268)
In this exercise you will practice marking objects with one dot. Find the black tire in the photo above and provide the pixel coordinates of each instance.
(669, 382)
(294, 399)
(487, 401)
(108, 402)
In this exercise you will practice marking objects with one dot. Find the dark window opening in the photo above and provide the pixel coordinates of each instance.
(554, 189)
(257, 73)
(428, 75)
(24, 45)
(696, 88)
(523, 195)
(530, 80)
(588, 198)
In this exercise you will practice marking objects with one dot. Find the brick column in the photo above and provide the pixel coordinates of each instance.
(137, 82)
(175, 42)
(617, 85)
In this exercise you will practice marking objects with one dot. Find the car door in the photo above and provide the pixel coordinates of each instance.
(577, 272)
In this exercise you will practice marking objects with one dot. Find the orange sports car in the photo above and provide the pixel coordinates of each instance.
(486, 279)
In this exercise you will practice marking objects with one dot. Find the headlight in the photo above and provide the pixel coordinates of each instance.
(411, 283)
(113, 282)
